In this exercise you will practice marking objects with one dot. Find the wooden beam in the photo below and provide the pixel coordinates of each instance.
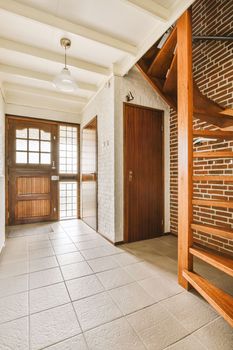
(44, 92)
(12, 70)
(52, 56)
(185, 147)
(66, 26)
(152, 8)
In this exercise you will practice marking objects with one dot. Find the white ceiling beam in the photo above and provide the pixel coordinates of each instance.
(52, 56)
(152, 8)
(67, 26)
(12, 70)
(43, 92)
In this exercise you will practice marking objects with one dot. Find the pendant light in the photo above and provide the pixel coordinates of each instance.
(64, 80)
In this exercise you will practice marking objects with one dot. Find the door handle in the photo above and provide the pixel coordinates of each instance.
(130, 176)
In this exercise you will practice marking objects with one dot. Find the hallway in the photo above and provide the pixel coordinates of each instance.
(64, 287)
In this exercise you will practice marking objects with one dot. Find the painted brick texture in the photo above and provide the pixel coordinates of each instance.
(213, 73)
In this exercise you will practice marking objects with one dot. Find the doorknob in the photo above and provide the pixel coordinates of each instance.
(130, 175)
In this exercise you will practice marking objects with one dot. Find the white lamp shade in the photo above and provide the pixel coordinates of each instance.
(64, 81)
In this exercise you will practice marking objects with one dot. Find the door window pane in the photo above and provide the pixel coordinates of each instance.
(45, 158)
(33, 158)
(45, 146)
(34, 146)
(45, 135)
(21, 157)
(34, 133)
(21, 133)
(21, 145)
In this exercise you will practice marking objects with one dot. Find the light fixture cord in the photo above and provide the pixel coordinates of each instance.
(65, 57)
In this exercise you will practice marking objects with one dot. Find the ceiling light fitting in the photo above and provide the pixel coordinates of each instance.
(64, 80)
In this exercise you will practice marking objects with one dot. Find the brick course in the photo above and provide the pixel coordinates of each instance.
(213, 73)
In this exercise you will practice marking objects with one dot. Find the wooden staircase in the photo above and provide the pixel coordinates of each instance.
(169, 71)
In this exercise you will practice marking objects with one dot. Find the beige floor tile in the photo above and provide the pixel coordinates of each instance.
(43, 264)
(156, 327)
(114, 278)
(13, 306)
(41, 253)
(83, 287)
(131, 298)
(75, 343)
(45, 278)
(76, 270)
(125, 259)
(96, 310)
(94, 253)
(69, 258)
(48, 297)
(103, 264)
(190, 310)
(13, 269)
(217, 335)
(53, 325)
(188, 343)
(83, 237)
(13, 285)
(60, 241)
(67, 248)
(116, 335)
(140, 271)
(160, 288)
(14, 335)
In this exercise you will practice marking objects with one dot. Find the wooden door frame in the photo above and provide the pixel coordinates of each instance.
(125, 180)
(39, 120)
(97, 165)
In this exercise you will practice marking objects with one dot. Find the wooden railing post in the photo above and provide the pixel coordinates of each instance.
(185, 143)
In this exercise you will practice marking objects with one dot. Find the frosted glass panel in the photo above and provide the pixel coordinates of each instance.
(21, 134)
(34, 133)
(33, 158)
(45, 146)
(45, 135)
(34, 146)
(21, 145)
(21, 157)
(68, 200)
(68, 150)
(45, 158)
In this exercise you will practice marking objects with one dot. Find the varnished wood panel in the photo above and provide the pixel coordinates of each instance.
(143, 173)
(32, 185)
(32, 208)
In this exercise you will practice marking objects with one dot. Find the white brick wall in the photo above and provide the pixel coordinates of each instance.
(103, 106)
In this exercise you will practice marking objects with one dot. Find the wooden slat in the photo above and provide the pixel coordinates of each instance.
(221, 301)
(226, 178)
(213, 230)
(220, 262)
(170, 85)
(185, 143)
(213, 203)
(162, 61)
(213, 134)
(213, 154)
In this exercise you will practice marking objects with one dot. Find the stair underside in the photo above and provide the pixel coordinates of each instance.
(221, 301)
(213, 230)
(222, 263)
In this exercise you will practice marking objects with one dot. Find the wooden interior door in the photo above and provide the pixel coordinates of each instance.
(143, 173)
(89, 174)
(32, 171)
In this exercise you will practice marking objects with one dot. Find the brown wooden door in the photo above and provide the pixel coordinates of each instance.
(32, 171)
(143, 173)
(89, 174)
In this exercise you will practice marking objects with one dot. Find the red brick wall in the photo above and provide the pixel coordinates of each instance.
(213, 73)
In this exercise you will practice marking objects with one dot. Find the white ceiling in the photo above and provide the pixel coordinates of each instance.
(108, 37)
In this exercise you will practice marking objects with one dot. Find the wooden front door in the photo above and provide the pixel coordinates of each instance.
(143, 173)
(32, 171)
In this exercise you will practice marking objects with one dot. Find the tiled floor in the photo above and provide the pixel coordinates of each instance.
(64, 287)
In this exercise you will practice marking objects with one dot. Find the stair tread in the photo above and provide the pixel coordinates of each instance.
(214, 230)
(213, 178)
(220, 300)
(213, 154)
(223, 263)
(213, 202)
(162, 61)
(213, 134)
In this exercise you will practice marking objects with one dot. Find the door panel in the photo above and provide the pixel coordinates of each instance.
(89, 174)
(143, 172)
